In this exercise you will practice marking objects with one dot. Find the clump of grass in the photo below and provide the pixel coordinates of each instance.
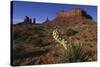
(74, 53)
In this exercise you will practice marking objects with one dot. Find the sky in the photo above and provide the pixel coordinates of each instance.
(41, 11)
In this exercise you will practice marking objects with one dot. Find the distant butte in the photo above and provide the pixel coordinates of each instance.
(74, 12)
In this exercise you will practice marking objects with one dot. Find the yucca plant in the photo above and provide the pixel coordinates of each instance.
(58, 39)
(72, 49)
(74, 53)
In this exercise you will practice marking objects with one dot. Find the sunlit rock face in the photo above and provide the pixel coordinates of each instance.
(75, 12)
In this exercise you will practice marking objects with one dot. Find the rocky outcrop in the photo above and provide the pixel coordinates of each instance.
(34, 20)
(27, 20)
(75, 12)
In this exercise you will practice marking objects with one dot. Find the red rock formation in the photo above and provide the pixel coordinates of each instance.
(73, 12)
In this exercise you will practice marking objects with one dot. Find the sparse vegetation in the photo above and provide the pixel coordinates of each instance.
(71, 32)
(74, 53)
(57, 38)
(73, 49)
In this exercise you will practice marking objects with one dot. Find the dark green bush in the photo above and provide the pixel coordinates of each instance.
(71, 32)
(74, 53)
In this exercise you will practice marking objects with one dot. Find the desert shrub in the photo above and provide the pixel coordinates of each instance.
(72, 49)
(18, 51)
(57, 37)
(71, 32)
(29, 36)
(35, 40)
(74, 53)
(16, 35)
(20, 39)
